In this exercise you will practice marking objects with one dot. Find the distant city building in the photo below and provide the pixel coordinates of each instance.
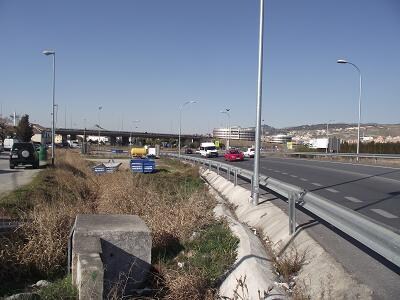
(237, 133)
(333, 144)
(280, 139)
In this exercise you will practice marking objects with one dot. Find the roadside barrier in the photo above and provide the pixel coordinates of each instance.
(378, 238)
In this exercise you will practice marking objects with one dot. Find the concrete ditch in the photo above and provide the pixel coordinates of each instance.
(321, 277)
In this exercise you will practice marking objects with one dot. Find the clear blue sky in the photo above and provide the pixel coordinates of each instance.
(143, 59)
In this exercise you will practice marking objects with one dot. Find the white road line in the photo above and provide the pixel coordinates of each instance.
(294, 176)
(303, 179)
(384, 213)
(332, 190)
(276, 171)
(316, 183)
(270, 169)
(284, 173)
(352, 199)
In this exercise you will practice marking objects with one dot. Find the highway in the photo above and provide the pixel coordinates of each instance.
(371, 190)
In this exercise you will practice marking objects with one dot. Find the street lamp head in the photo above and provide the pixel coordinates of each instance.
(342, 61)
(49, 52)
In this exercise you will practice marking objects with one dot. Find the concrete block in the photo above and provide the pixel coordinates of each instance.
(124, 247)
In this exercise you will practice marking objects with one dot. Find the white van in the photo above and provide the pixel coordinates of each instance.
(8, 143)
(208, 150)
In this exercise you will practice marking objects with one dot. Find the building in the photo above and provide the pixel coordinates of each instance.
(331, 145)
(236, 133)
(281, 139)
(41, 134)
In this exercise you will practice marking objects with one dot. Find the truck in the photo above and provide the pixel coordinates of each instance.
(153, 152)
(208, 150)
(146, 151)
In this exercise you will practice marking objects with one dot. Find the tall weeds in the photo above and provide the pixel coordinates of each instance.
(173, 204)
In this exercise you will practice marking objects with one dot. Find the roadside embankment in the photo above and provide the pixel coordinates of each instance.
(302, 267)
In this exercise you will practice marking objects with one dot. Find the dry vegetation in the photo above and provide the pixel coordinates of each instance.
(173, 203)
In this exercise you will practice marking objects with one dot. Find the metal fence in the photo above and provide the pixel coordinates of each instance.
(347, 155)
(378, 238)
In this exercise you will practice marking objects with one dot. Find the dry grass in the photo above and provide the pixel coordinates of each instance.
(173, 203)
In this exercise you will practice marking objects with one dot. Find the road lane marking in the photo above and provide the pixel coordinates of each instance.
(384, 213)
(352, 199)
(276, 171)
(284, 173)
(316, 184)
(303, 179)
(294, 176)
(332, 190)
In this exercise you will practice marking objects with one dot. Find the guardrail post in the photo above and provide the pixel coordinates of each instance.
(229, 173)
(209, 166)
(218, 169)
(292, 213)
(235, 177)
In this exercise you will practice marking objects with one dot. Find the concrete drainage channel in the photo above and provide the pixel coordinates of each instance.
(320, 275)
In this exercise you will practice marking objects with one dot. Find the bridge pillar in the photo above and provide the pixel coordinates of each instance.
(125, 140)
(64, 138)
(113, 140)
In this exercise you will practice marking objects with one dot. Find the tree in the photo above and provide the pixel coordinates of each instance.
(24, 129)
(5, 129)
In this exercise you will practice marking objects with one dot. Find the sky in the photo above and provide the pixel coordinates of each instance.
(141, 60)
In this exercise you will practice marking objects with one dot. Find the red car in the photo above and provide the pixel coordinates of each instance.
(233, 155)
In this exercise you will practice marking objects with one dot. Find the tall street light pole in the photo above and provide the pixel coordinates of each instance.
(226, 111)
(342, 61)
(133, 122)
(180, 125)
(255, 192)
(98, 117)
(53, 53)
(327, 135)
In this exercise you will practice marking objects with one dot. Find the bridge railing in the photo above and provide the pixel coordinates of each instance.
(382, 240)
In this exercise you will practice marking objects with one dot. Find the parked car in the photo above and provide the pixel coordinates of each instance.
(188, 151)
(249, 152)
(24, 154)
(233, 155)
(8, 143)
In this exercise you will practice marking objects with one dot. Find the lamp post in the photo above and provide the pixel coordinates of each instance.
(98, 118)
(327, 135)
(255, 187)
(342, 61)
(226, 111)
(133, 122)
(53, 53)
(180, 125)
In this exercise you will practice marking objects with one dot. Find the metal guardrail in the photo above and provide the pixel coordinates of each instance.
(361, 228)
(361, 155)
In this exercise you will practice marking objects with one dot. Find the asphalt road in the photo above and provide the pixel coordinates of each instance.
(11, 179)
(373, 191)
(375, 187)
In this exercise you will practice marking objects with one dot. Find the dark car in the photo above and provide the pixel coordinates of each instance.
(188, 151)
(24, 154)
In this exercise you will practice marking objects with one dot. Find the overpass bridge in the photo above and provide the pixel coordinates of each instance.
(125, 135)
